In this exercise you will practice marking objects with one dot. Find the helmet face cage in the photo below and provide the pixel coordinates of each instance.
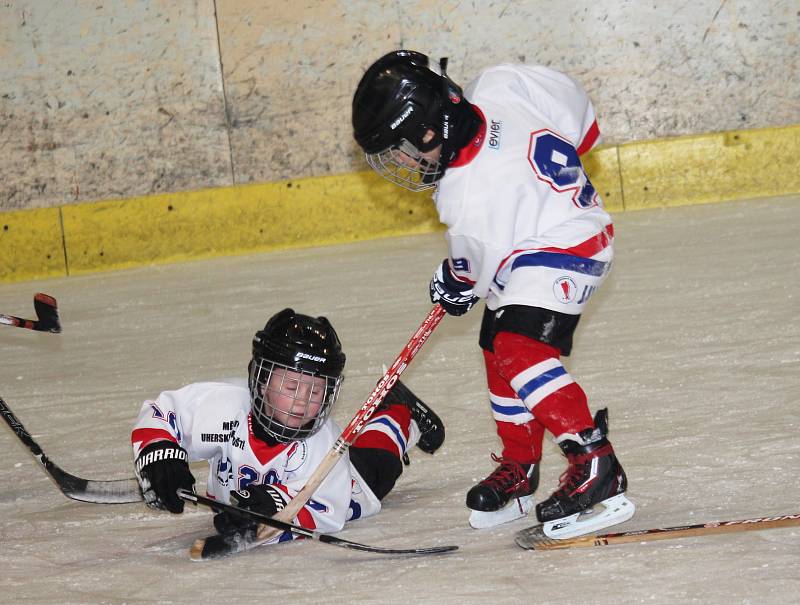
(290, 404)
(404, 165)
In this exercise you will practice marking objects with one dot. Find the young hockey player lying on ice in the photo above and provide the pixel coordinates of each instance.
(263, 443)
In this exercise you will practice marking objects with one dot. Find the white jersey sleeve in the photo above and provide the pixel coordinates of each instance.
(211, 420)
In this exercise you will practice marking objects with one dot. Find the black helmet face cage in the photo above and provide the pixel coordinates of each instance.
(290, 404)
(405, 165)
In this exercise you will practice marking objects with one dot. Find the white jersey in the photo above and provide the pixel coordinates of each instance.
(211, 420)
(517, 197)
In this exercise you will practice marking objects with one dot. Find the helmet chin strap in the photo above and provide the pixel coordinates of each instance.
(458, 120)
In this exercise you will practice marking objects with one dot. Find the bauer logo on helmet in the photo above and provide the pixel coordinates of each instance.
(403, 116)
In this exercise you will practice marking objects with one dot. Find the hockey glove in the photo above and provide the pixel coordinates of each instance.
(162, 469)
(455, 296)
(263, 499)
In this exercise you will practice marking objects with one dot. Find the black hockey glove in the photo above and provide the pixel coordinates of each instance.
(161, 469)
(263, 499)
(455, 296)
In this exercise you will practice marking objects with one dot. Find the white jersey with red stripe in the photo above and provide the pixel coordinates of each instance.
(518, 198)
(212, 421)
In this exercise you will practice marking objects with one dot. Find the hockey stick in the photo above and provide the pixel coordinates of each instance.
(203, 549)
(119, 491)
(302, 531)
(533, 538)
(46, 320)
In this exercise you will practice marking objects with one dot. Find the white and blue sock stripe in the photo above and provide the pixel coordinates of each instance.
(509, 409)
(390, 428)
(540, 381)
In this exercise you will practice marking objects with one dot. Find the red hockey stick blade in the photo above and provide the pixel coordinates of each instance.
(46, 309)
(46, 316)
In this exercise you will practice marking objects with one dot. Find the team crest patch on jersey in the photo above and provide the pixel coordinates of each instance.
(564, 289)
(355, 487)
(296, 456)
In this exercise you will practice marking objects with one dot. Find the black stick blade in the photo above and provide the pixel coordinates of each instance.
(46, 309)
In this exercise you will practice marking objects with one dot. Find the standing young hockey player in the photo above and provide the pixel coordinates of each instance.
(263, 441)
(527, 232)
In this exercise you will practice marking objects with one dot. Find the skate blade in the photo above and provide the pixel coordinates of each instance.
(615, 510)
(516, 509)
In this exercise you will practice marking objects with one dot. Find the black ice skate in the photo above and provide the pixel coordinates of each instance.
(594, 477)
(505, 495)
(431, 427)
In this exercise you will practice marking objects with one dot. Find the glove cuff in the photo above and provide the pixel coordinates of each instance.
(158, 451)
(450, 280)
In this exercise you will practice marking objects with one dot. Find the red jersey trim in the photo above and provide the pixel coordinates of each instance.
(304, 516)
(464, 280)
(587, 249)
(306, 519)
(593, 245)
(589, 139)
(264, 452)
(147, 436)
(461, 278)
(467, 153)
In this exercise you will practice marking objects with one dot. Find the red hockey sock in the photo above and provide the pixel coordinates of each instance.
(520, 433)
(521, 442)
(537, 376)
(387, 430)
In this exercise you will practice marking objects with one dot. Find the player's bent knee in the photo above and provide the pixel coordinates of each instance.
(379, 468)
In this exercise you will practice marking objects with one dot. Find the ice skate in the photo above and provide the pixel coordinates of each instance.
(431, 427)
(591, 492)
(505, 495)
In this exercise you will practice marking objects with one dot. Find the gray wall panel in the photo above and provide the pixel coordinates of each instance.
(126, 98)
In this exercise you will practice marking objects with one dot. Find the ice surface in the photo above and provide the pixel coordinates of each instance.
(693, 343)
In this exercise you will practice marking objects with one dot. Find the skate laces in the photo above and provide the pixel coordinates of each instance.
(509, 477)
(574, 475)
(576, 472)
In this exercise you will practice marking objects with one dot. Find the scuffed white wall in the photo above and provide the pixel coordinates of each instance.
(123, 98)
(109, 99)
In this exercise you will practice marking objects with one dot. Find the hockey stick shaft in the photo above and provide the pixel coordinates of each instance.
(351, 431)
(85, 490)
(46, 320)
(304, 532)
(669, 533)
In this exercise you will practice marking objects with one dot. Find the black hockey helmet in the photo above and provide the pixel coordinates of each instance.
(294, 376)
(398, 98)
(397, 102)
